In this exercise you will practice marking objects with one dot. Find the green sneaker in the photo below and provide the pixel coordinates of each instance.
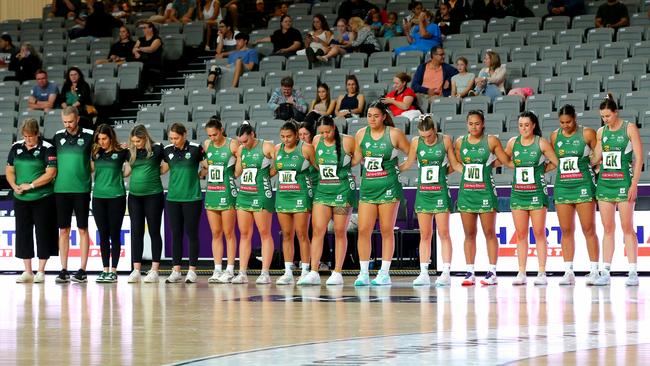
(102, 278)
(111, 277)
(363, 279)
(382, 279)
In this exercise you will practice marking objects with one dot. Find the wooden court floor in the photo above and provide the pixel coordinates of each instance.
(201, 324)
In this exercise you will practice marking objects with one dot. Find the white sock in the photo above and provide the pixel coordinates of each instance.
(364, 266)
(470, 268)
(493, 269)
(304, 267)
(593, 266)
(264, 272)
(607, 267)
(568, 266)
(230, 268)
(446, 267)
(218, 267)
(385, 266)
(287, 267)
(424, 267)
(632, 267)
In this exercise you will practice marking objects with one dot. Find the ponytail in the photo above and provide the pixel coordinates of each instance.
(329, 121)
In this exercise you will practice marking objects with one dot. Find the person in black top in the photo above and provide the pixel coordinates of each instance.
(356, 8)
(122, 50)
(612, 14)
(569, 8)
(286, 40)
(76, 91)
(148, 50)
(97, 24)
(65, 8)
(7, 50)
(25, 63)
(259, 18)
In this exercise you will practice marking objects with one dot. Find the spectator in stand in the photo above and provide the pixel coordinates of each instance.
(281, 9)
(168, 13)
(433, 78)
(318, 40)
(287, 102)
(148, 50)
(460, 10)
(7, 50)
(402, 100)
(423, 36)
(376, 23)
(98, 24)
(122, 50)
(356, 8)
(68, 9)
(259, 18)
(463, 82)
(44, 93)
(286, 40)
(612, 14)
(341, 42)
(350, 104)
(505, 8)
(416, 8)
(25, 63)
(242, 60)
(210, 14)
(323, 105)
(226, 41)
(184, 11)
(364, 38)
(445, 21)
(569, 8)
(491, 79)
(391, 28)
(122, 10)
(232, 12)
(76, 92)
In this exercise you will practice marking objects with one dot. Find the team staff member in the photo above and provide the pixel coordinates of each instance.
(221, 196)
(31, 167)
(620, 154)
(146, 200)
(254, 201)
(109, 163)
(434, 153)
(335, 196)
(574, 190)
(72, 188)
(380, 191)
(477, 195)
(184, 199)
(292, 160)
(529, 195)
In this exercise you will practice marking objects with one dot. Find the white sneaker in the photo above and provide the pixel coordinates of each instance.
(240, 278)
(152, 277)
(382, 279)
(134, 277)
(591, 278)
(39, 277)
(25, 277)
(285, 279)
(603, 279)
(174, 277)
(311, 279)
(190, 277)
(632, 279)
(226, 277)
(490, 279)
(444, 280)
(263, 279)
(215, 277)
(422, 280)
(335, 279)
(303, 274)
(363, 279)
(519, 280)
(569, 279)
(541, 279)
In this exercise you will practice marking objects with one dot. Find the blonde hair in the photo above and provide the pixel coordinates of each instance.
(357, 22)
(29, 125)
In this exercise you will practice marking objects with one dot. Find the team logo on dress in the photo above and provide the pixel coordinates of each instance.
(367, 145)
(606, 148)
(576, 142)
(321, 160)
(619, 138)
(187, 155)
(279, 157)
(605, 139)
(517, 161)
(62, 142)
(243, 165)
(37, 152)
(268, 193)
(295, 157)
(170, 156)
(516, 153)
(279, 165)
(114, 156)
(481, 150)
(368, 153)
(422, 153)
(233, 192)
(559, 144)
(561, 152)
(438, 153)
(223, 155)
(465, 151)
(80, 142)
(425, 161)
(19, 151)
(209, 155)
(467, 159)
(320, 152)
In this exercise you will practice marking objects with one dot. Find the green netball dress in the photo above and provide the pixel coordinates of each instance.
(255, 192)
(336, 186)
(529, 191)
(615, 175)
(432, 195)
(221, 192)
(313, 177)
(574, 182)
(379, 180)
(109, 180)
(477, 193)
(294, 193)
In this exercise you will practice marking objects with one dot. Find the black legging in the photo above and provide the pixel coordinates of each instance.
(184, 215)
(36, 216)
(109, 214)
(150, 207)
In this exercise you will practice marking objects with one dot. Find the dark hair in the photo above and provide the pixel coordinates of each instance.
(609, 103)
(245, 129)
(329, 121)
(178, 128)
(282, 18)
(7, 38)
(353, 78)
(67, 76)
(290, 125)
(384, 110)
(307, 126)
(537, 130)
(413, 4)
(152, 26)
(242, 35)
(435, 49)
(41, 71)
(476, 112)
(324, 25)
(426, 123)
(405, 78)
(287, 81)
(215, 122)
(568, 110)
(329, 96)
(107, 130)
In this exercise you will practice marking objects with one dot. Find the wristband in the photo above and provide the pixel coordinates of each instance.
(31, 185)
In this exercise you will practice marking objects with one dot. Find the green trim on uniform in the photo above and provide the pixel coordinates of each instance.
(615, 176)
(379, 177)
(145, 172)
(184, 185)
(109, 176)
(433, 193)
(221, 191)
(73, 156)
(477, 193)
(575, 180)
(255, 192)
(529, 191)
(29, 165)
(336, 186)
(294, 193)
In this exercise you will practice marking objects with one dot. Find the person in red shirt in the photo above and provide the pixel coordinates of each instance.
(402, 100)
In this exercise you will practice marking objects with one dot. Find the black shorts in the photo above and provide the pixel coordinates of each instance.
(67, 203)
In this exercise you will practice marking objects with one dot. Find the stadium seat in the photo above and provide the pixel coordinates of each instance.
(555, 85)
(540, 103)
(577, 100)
(106, 91)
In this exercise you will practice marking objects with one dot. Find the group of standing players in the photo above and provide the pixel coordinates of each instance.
(316, 185)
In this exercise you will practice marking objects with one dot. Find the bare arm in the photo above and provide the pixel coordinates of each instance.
(497, 149)
(238, 168)
(164, 168)
(126, 169)
(273, 171)
(356, 158)
(458, 143)
(412, 156)
(549, 153)
(331, 107)
(399, 140)
(637, 150)
(597, 155)
(308, 153)
(349, 147)
(151, 49)
(362, 104)
(454, 164)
